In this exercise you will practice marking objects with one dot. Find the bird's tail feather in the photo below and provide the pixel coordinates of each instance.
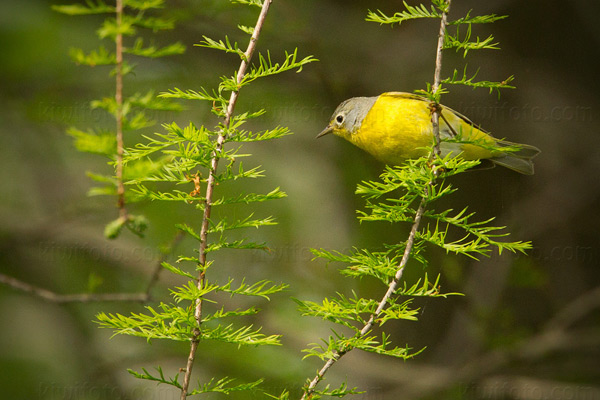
(518, 161)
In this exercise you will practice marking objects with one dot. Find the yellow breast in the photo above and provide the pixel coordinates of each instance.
(398, 127)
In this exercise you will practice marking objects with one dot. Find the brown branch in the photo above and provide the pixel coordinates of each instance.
(70, 298)
(119, 113)
(209, 192)
(337, 354)
(92, 297)
(575, 310)
(158, 267)
(437, 78)
(369, 325)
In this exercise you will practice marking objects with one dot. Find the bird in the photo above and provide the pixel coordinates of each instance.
(396, 126)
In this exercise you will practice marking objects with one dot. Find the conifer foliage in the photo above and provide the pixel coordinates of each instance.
(125, 19)
(189, 164)
(199, 165)
(406, 194)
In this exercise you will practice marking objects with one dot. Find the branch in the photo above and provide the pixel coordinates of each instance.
(437, 78)
(369, 325)
(158, 267)
(210, 188)
(417, 221)
(574, 311)
(71, 298)
(119, 113)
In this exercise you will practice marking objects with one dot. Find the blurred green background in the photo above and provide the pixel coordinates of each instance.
(528, 327)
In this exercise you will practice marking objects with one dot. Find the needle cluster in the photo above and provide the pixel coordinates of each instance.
(122, 28)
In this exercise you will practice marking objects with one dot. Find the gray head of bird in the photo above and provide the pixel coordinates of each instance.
(348, 116)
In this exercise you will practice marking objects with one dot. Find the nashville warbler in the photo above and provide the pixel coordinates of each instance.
(396, 126)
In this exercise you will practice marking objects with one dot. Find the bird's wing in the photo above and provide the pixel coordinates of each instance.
(448, 132)
(405, 95)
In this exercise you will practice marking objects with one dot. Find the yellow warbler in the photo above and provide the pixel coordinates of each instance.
(396, 126)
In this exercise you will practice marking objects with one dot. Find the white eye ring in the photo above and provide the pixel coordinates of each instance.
(339, 119)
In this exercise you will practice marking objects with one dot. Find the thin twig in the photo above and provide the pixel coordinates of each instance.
(119, 113)
(210, 184)
(158, 267)
(369, 325)
(337, 354)
(437, 78)
(575, 310)
(70, 298)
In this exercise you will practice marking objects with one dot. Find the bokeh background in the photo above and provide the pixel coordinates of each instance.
(527, 327)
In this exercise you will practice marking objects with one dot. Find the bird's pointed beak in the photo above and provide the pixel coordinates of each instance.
(325, 131)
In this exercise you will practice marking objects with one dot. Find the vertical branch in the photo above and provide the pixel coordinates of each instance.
(119, 112)
(337, 354)
(210, 184)
(435, 117)
(437, 78)
(221, 138)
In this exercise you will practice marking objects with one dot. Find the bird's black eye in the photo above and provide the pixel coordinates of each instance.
(339, 119)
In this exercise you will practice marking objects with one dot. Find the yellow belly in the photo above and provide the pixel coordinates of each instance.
(398, 127)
